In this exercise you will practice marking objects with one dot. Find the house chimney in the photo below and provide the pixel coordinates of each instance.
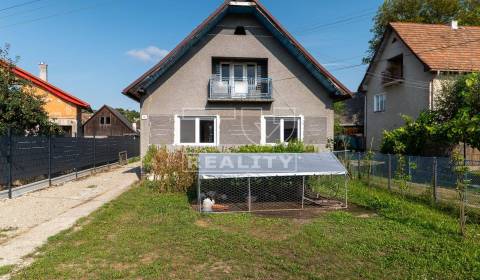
(43, 71)
(454, 24)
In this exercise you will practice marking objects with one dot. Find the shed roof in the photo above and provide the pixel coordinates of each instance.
(242, 165)
(332, 85)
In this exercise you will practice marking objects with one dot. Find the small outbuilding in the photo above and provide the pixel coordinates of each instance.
(108, 122)
(240, 182)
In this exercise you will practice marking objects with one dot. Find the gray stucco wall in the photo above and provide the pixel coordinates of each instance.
(407, 98)
(183, 90)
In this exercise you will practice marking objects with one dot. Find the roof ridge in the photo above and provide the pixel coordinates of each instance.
(50, 87)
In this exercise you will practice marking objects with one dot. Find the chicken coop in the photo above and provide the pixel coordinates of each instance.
(229, 182)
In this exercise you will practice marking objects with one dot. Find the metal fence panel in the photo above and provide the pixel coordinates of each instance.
(38, 157)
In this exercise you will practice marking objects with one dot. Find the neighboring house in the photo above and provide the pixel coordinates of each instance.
(107, 122)
(63, 109)
(239, 78)
(352, 120)
(409, 68)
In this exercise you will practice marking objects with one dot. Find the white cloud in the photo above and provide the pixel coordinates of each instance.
(148, 54)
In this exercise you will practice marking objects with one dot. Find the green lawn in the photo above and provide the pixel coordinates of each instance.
(146, 235)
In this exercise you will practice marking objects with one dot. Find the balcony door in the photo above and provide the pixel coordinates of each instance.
(241, 78)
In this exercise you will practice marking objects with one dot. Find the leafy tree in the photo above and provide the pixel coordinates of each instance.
(455, 119)
(20, 109)
(131, 115)
(467, 12)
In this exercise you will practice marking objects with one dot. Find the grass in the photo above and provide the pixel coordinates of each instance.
(6, 269)
(146, 235)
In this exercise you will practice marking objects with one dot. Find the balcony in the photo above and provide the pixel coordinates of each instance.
(240, 89)
(391, 78)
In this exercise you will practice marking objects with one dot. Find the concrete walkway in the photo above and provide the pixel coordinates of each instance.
(27, 222)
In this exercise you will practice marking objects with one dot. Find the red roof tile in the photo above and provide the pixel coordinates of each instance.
(50, 88)
(440, 47)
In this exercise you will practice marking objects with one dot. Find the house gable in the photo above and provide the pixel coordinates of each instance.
(331, 85)
(119, 125)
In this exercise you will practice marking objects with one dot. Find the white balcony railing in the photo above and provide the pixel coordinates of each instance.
(240, 88)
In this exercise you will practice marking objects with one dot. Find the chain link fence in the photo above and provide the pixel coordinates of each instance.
(430, 178)
(273, 193)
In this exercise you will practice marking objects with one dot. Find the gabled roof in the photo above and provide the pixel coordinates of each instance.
(331, 84)
(440, 47)
(116, 113)
(50, 88)
(437, 46)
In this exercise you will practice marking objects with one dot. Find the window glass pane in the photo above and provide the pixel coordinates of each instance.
(102, 120)
(207, 131)
(107, 120)
(238, 72)
(187, 131)
(272, 130)
(251, 71)
(225, 71)
(290, 129)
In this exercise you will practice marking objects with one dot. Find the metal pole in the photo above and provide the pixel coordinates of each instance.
(94, 155)
(49, 159)
(303, 190)
(249, 200)
(358, 165)
(198, 195)
(346, 190)
(10, 162)
(435, 182)
(389, 172)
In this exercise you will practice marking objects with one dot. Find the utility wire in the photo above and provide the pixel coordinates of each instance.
(19, 5)
(55, 15)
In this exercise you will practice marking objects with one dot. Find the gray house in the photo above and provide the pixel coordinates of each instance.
(409, 68)
(239, 78)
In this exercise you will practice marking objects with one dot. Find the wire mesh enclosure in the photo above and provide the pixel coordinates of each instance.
(276, 188)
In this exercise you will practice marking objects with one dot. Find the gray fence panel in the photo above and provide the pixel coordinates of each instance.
(34, 157)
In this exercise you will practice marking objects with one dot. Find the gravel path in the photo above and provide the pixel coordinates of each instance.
(26, 222)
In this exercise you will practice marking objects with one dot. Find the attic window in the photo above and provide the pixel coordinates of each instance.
(394, 71)
(240, 30)
(394, 40)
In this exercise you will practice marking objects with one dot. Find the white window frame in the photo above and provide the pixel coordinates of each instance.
(263, 127)
(379, 101)
(232, 68)
(216, 132)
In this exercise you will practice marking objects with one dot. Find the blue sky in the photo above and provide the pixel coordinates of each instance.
(95, 48)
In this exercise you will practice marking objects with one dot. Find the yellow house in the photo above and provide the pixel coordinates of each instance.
(62, 108)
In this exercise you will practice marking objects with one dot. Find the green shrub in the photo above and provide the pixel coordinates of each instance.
(147, 161)
(291, 147)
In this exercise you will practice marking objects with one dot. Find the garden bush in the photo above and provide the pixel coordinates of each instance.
(172, 171)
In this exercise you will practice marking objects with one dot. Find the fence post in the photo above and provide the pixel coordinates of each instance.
(199, 198)
(358, 165)
(303, 190)
(435, 180)
(10, 162)
(389, 172)
(94, 155)
(249, 196)
(49, 159)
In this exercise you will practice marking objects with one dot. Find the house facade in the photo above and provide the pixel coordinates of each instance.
(107, 122)
(408, 71)
(239, 78)
(63, 108)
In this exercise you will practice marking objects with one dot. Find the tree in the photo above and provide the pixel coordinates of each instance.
(20, 109)
(455, 119)
(131, 115)
(467, 12)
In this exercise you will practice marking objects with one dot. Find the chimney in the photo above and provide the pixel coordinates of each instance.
(43, 71)
(454, 24)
